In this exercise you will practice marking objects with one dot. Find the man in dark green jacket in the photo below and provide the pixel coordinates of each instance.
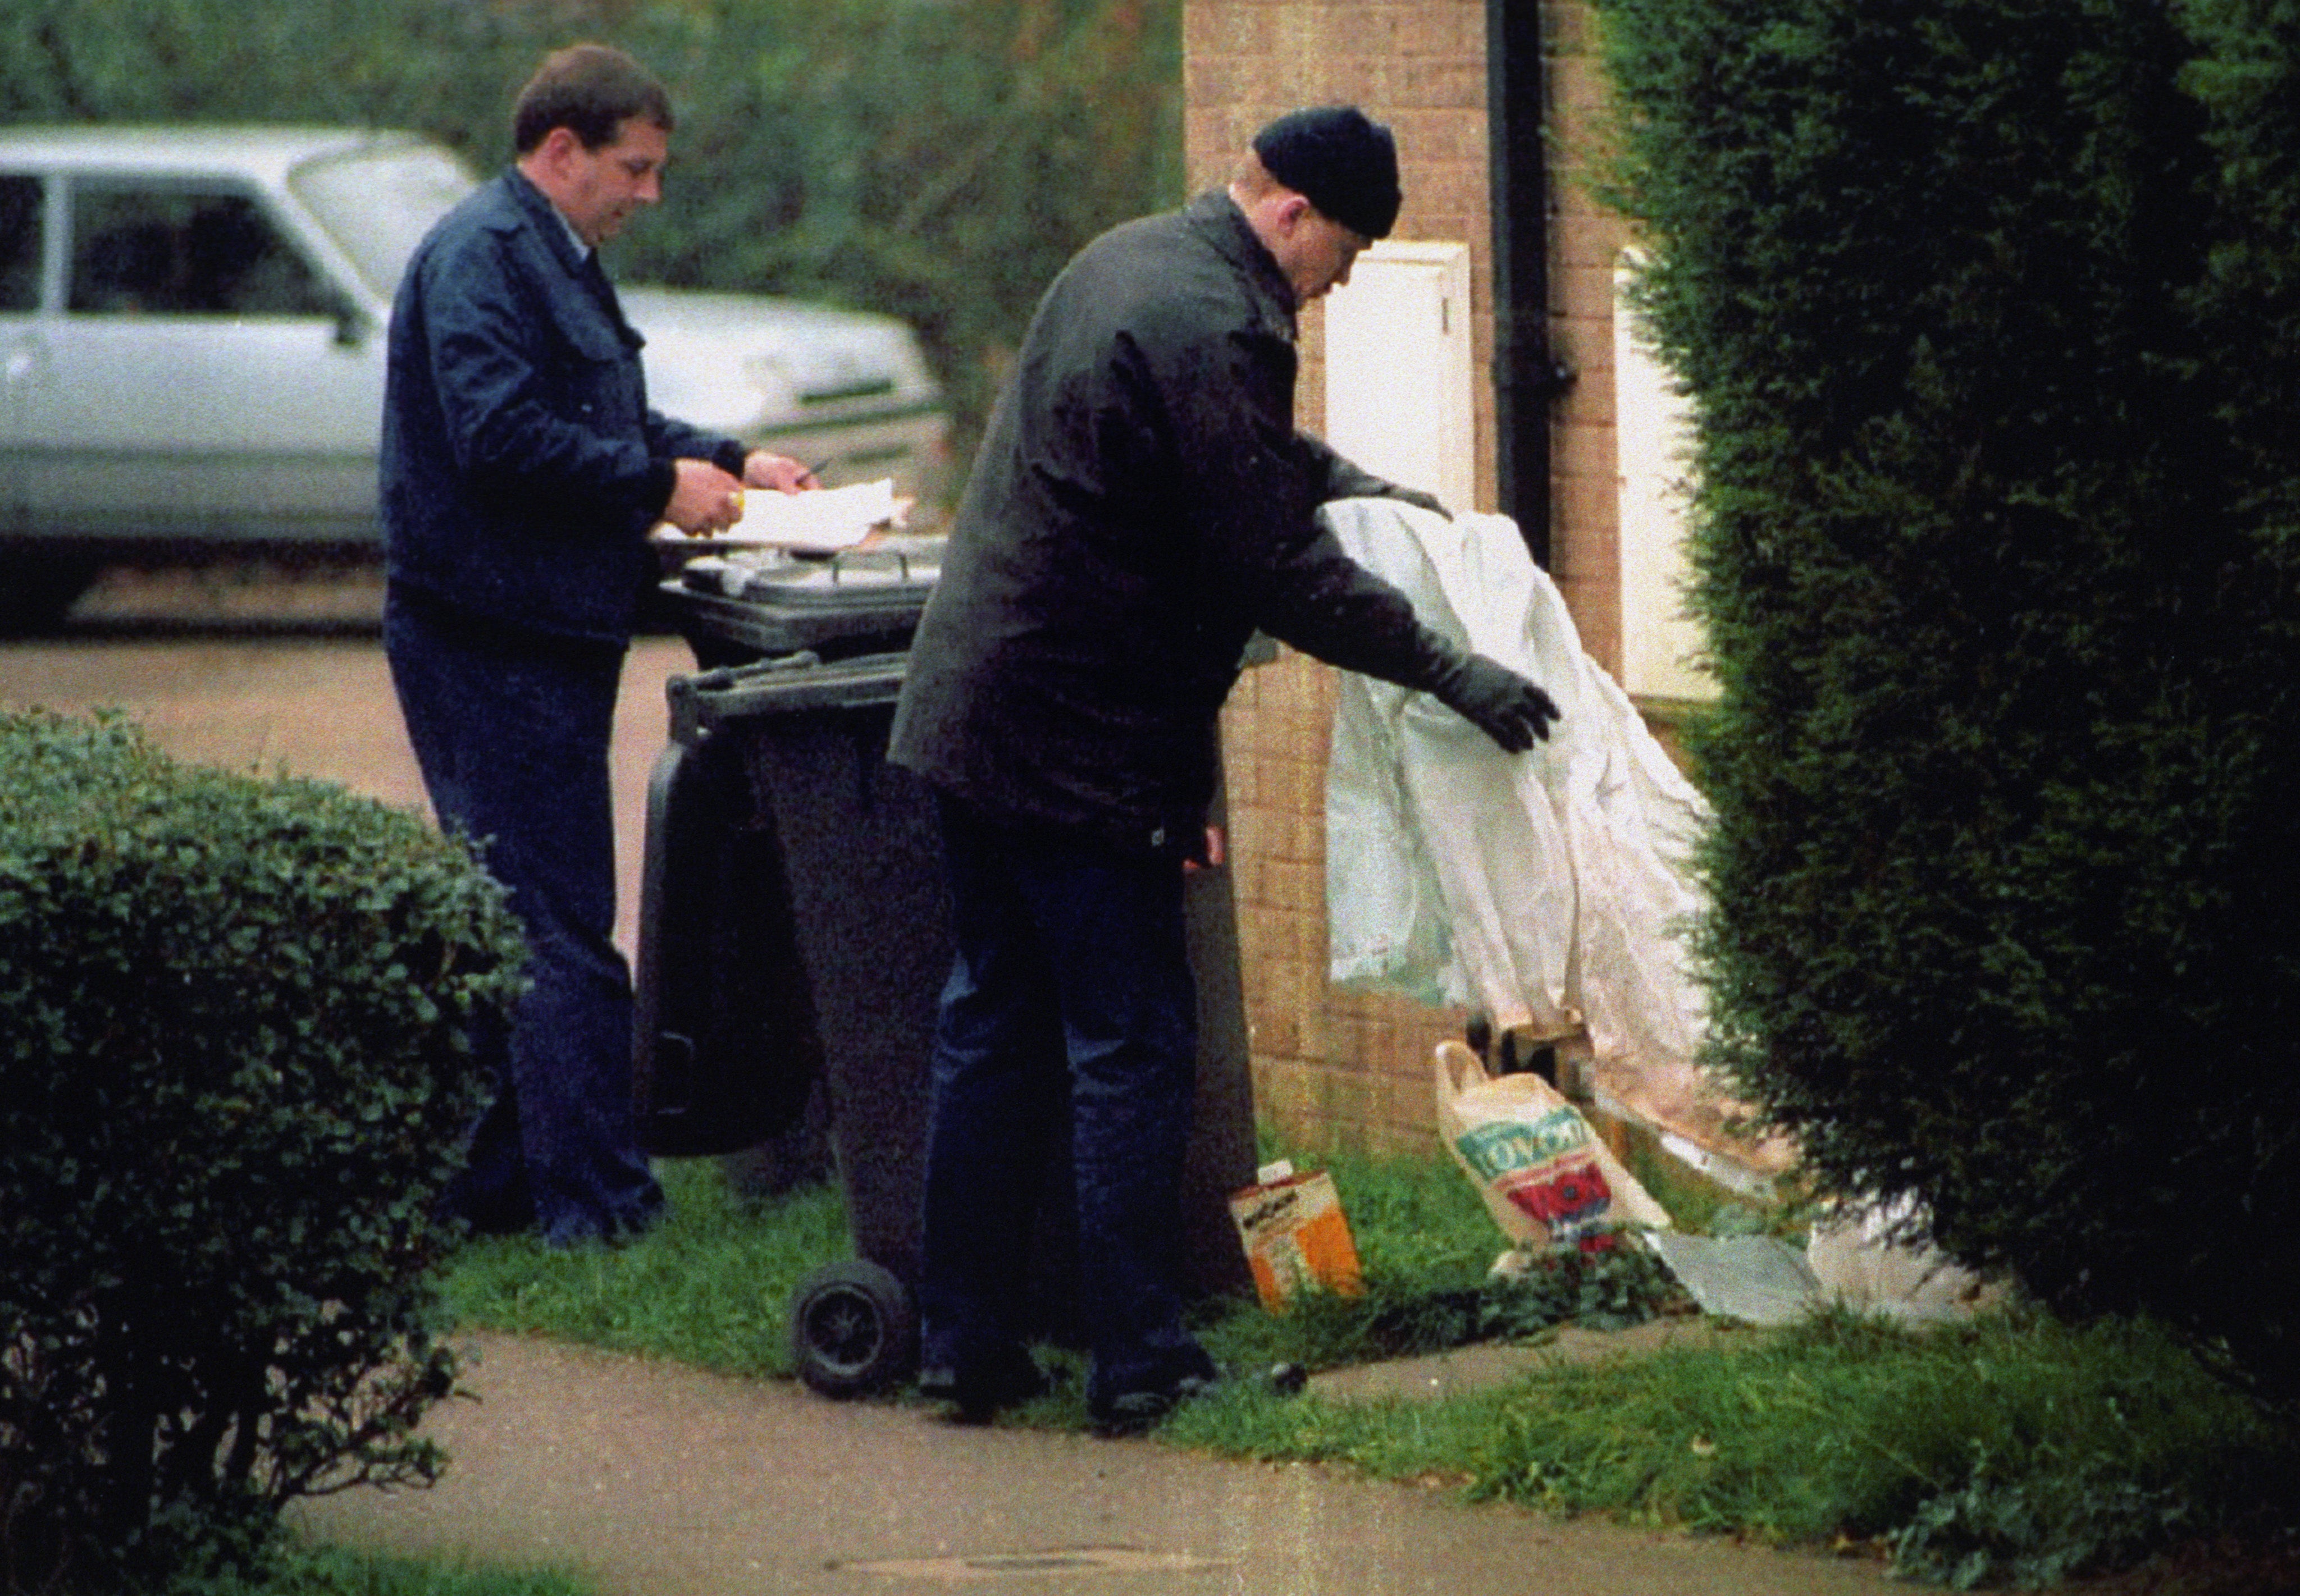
(522, 471)
(1141, 504)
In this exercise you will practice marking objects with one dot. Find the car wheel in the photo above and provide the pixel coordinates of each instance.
(852, 1329)
(35, 591)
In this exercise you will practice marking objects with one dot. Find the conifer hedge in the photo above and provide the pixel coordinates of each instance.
(1988, 314)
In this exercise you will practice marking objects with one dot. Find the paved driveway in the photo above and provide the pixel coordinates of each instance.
(254, 670)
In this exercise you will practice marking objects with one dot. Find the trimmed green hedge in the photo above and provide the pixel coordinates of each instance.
(1997, 464)
(235, 1073)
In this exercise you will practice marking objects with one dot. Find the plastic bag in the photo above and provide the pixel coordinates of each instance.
(1867, 1257)
(1549, 890)
(1546, 1176)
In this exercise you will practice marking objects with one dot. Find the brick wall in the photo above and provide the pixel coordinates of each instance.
(1329, 1064)
(1584, 239)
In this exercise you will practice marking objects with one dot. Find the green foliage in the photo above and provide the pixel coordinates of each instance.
(940, 163)
(2009, 1449)
(1989, 544)
(234, 1074)
(710, 1286)
(292, 1566)
(934, 161)
(2246, 71)
(1407, 1316)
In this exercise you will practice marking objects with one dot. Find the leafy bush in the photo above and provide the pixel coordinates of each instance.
(1990, 545)
(937, 162)
(234, 1073)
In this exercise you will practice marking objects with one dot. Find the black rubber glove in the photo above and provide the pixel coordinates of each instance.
(1417, 498)
(1498, 701)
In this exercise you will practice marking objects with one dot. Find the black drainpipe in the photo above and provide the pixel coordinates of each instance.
(1526, 376)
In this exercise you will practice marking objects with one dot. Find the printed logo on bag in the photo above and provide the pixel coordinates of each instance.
(1567, 1200)
(1504, 1146)
(1280, 1204)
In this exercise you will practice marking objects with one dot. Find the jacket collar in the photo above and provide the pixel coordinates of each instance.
(546, 219)
(1216, 218)
(536, 209)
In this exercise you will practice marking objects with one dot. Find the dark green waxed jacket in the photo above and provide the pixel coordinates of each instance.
(1141, 504)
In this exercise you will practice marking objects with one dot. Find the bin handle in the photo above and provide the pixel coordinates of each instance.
(838, 563)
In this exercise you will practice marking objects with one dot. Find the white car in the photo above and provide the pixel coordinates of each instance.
(192, 349)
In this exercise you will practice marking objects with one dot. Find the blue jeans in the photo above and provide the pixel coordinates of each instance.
(1069, 952)
(511, 731)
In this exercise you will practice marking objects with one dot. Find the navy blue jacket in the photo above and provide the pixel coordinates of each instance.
(522, 469)
(1142, 502)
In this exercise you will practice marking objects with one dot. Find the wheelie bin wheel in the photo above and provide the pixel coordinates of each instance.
(852, 1328)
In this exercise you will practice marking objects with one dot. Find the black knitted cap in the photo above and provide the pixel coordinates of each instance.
(1339, 160)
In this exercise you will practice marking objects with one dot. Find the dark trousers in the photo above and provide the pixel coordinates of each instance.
(1068, 952)
(511, 731)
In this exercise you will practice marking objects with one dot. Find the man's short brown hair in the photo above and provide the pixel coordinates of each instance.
(591, 90)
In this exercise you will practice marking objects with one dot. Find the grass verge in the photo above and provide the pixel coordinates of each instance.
(710, 1286)
(2011, 1450)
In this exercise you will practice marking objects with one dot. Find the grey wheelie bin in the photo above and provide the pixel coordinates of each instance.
(727, 1058)
(764, 604)
(793, 929)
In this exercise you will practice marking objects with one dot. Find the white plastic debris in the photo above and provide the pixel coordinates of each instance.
(1550, 889)
(1872, 1259)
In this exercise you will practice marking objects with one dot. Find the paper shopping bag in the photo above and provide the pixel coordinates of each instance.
(1546, 1176)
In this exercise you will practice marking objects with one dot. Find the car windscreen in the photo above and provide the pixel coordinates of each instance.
(377, 204)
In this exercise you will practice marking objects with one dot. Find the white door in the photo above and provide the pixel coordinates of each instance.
(1653, 429)
(1399, 397)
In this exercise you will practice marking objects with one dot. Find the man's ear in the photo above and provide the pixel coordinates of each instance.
(557, 145)
(1289, 211)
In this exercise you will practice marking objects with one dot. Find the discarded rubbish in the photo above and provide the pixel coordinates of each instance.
(1871, 1259)
(1549, 889)
(1861, 1260)
(1757, 1279)
(1546, 1176)
(1295, 1235)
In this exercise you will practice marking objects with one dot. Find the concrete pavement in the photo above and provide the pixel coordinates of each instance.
(654, 1479)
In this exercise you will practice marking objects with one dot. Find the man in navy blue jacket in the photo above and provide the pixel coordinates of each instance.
(522, 473)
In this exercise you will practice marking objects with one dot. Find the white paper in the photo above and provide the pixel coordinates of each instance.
(820, 521)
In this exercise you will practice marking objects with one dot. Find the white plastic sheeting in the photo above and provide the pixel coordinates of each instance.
(1550, 889)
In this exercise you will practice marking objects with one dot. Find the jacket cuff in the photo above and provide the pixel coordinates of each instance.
(729, 456)
(663, 481)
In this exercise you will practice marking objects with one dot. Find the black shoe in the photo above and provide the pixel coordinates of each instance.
(979, 1389)
(1132, 1412)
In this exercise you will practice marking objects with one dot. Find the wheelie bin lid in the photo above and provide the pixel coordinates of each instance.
(790, 683)
(773, 601)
